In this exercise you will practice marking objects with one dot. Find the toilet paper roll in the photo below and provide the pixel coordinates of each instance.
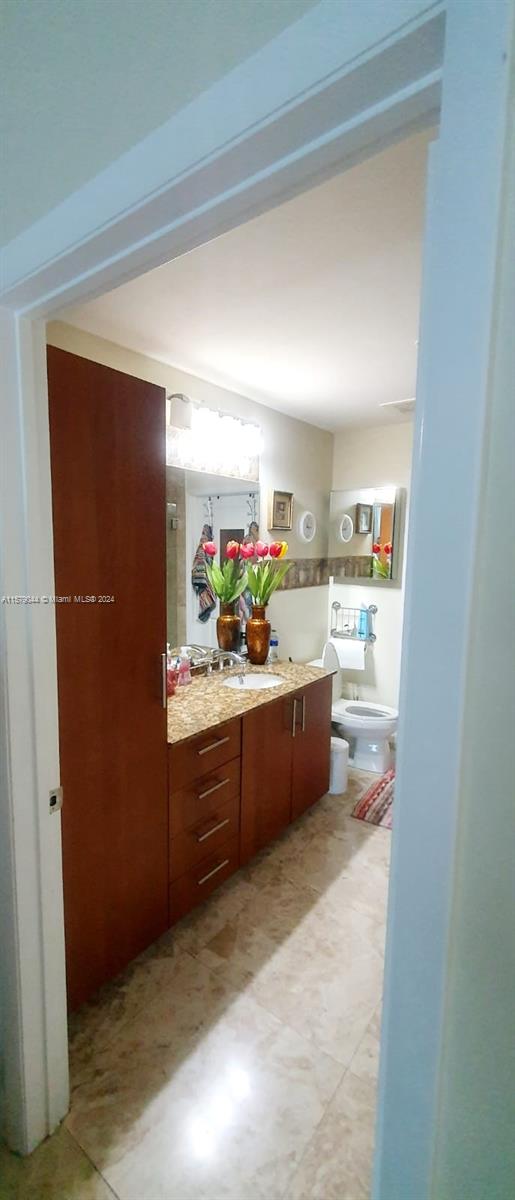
(350, 654)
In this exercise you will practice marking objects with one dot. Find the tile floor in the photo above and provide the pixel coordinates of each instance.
(237, 1058)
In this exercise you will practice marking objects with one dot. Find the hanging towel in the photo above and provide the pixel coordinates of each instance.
(199, 579)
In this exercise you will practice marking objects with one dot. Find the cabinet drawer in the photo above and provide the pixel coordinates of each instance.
(196, 802)
(192, 759)
(191, 846)
(198, 883)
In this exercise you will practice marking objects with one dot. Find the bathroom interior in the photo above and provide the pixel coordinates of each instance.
(224, 909)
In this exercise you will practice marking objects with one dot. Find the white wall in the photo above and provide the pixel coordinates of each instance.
(296, 457)
(300, 617)
(65, 64)
(375, 457)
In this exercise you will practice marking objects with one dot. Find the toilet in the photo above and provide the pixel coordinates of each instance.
(368, 727)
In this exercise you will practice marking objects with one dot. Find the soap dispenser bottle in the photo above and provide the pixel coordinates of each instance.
(184, 672)
(171, 672)
(363, 622)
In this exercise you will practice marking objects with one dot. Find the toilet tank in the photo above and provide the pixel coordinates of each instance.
(330, 662)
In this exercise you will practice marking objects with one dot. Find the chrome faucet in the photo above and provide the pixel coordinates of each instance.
(228, 656)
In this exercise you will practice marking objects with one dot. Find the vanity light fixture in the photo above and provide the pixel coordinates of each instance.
(178, 410)
(214, 442)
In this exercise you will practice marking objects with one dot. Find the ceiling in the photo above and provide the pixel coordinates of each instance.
(311, 308)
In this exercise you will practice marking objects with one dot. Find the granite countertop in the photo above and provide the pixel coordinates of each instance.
(206, 703)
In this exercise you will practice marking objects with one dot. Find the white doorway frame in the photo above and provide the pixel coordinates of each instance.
(357, 76)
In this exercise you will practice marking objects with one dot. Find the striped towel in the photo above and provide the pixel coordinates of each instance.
(199, 579)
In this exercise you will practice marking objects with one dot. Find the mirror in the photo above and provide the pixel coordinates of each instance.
(200, 508)
(364, 535)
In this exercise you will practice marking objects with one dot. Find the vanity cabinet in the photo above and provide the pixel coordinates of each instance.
(204, 820)
(267, 759)
(232, 790)
(197, 884)
(285, 762)
(312, 745)
(201, 755)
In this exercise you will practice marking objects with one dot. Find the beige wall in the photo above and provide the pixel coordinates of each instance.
(84, 80)
(296, 457)
(375, 457)
(300, 618)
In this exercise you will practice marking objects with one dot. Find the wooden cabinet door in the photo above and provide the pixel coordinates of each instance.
(107, 439)
(266, 774)
(311, 745)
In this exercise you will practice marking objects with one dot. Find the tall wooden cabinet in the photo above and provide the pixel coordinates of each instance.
(107, 442)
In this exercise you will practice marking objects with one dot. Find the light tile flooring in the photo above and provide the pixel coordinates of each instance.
(237, 1058)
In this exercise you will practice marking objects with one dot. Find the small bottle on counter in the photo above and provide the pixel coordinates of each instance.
(184, 670)
(273, 653)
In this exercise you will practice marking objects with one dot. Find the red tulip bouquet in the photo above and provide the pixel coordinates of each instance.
(382, 560)
(229, 581)
(265, 576)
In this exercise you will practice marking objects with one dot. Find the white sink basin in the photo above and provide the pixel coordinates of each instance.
(253, 682)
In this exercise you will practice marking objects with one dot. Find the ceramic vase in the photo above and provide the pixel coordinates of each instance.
(228, 628)
(258, 635)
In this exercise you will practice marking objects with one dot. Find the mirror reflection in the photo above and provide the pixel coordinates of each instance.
(364, 534)
(202, 508)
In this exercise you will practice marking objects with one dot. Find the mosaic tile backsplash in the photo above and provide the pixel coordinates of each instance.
(306, 572)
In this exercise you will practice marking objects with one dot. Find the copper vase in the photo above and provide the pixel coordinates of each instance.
(228, 628)
(258, 635)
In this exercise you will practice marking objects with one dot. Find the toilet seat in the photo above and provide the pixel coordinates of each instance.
(364, 715)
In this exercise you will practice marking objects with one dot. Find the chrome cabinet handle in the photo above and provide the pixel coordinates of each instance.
(304, 713)
(163, 680)
(213, 745)
(215, 829)
(294, 718)
(215, 871)
(209, 791)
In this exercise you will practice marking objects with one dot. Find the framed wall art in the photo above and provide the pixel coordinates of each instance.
(281, 511)
(363, 518)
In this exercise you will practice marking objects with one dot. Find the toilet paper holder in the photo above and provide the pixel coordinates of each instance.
(345, 622)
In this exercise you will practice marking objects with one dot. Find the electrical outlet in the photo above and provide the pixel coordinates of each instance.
(55, 801)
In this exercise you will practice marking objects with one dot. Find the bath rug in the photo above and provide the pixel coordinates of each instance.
(376, 805)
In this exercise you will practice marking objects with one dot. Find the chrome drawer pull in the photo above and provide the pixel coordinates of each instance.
(213, 746)
(294, 718)
(215, 871)
(215, 829)
(304, 714)
(214, 788)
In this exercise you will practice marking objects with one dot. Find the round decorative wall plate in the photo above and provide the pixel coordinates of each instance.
(307, 526)
(346, 528)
